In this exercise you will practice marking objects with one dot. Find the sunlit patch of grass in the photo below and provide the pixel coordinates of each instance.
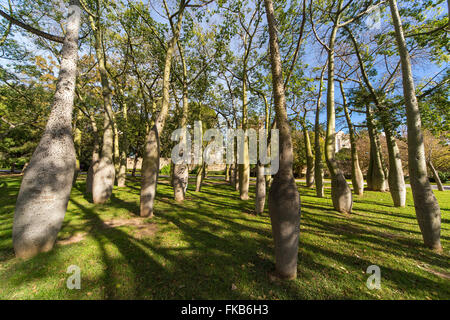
(212, 247)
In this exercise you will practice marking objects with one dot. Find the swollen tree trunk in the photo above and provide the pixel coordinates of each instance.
(104, 175)
(150, 162)
(45, 189)
(341, 193)
(357, 176)
(427, 208)
(435, 176)
(318, 169)
(116, 150)
(284, 199)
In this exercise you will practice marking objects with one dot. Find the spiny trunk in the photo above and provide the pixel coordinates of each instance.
(341, 193)
(377, 177)
(435, 176)
(284, 199)
(45, 189)
(104, 175)
(150, 162)
(427, 208)
(357, 176)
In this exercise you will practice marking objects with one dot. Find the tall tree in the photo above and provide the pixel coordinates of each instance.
(45, 188)
(284, 199)
(427, 208)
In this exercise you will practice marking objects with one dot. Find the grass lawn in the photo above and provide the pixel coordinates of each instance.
(213, 247)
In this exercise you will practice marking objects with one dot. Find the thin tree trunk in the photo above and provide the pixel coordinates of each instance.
(45, 189)
(309, 159)
(95, 156)
(427, 208)
(133, 173)
(122, 176)
(244, 168)
(318, 168)
(435, 176)
(181, 170)
(341, 193)
(377, 176)
(396, 178)
(201, 172)
(77, 144)
(260, 198)
(150, 162)
(284, 199)
(357, 176)
(104, 175)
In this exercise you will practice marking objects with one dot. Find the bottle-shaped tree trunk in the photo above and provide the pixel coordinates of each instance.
(284, 199)
(427, 208)
(45, 189)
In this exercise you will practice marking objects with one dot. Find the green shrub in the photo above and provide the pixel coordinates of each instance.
(165, 170)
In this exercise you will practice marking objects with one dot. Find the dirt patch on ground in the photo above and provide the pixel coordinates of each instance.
(141, 230)
(443, 275)
(72, 239)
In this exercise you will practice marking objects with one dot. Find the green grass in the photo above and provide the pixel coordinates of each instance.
(212, 242)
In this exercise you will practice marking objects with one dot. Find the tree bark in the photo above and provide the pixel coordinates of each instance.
(150, 162)
(244, 168)
(77, 144)
(341, 193)
(260, 198)
(45, 189)
(95, 156)
(284, 199)
(309, 159)
(396, 179)
(122, 176)
(427, 208)
(181, 170)
(104, 175)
